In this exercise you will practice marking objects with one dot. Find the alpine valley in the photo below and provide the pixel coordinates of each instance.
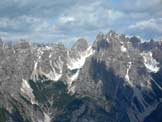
(115, 79)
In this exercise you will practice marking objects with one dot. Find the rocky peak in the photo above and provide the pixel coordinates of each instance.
(135, 41)
(80, 45)
(112, 35)
(100, 36)
(101, 42)
(112, 41)
(149, 45)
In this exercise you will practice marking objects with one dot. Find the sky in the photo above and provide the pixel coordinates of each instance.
(68, 20)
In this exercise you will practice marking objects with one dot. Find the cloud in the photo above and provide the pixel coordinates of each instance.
(88, 18)
(16, 23)
(66, 19)
(151, 28)
(114, 14)
(53, 20)
(137, 5)
(152, 24)
(38, 8)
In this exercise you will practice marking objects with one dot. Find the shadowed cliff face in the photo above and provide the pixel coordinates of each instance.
(113, 89)
(117, 79)
(111, 82)
(156, 115)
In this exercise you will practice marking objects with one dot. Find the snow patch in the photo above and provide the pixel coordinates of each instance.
(46, 117)
(71, 79)
(34, 74)
(40, 53)
(47, 48)
(77, 63)
(127, 74)
(74, 76)
(57, 69)
(107, 39)
(56, 66)
(50, 55)
(27, 91)
(123, 48)
(150, 63)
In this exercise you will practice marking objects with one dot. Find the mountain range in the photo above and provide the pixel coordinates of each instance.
(115, 79)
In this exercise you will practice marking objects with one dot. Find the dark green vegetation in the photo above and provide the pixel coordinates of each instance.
(14, 116)
(82, 110)
(72, 108)
(52, 91)
(3, 115)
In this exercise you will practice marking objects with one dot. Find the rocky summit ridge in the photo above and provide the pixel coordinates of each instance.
(116, 79)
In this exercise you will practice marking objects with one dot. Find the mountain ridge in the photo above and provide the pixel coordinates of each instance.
(115, 79)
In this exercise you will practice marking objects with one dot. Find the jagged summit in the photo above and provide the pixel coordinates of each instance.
(111, 40)
(109, 36)
(101, 42)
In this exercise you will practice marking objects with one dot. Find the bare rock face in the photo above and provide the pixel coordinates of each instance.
(80, 45)
(117, 79)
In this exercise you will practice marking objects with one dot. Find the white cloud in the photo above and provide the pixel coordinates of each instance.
(88, 17)
(112, 14)
(66, 19)
(153, 24)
